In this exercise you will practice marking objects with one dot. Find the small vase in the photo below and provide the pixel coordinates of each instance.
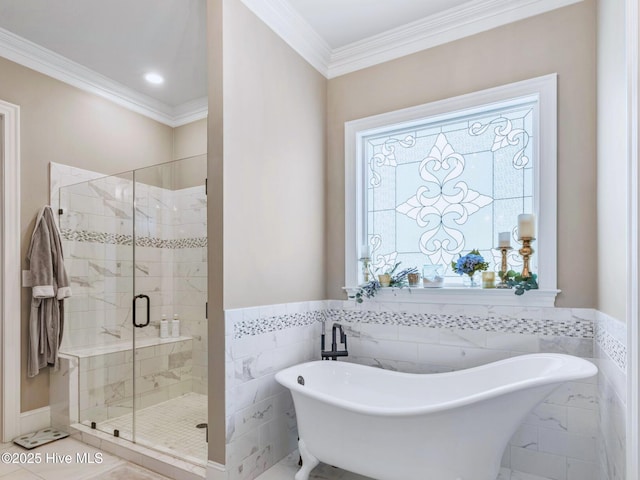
(384, 279)
(413, 279)
(488, 279)
(471, 281)
(432, 276)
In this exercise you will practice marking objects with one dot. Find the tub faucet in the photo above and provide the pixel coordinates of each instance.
(334, 353)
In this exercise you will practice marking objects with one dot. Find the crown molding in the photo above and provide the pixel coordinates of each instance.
(467, 19)
(289, 25)
(190, 111)
(47, 62)
(453, 24)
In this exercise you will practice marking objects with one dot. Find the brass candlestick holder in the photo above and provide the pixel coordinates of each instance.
(526, 251)
(366, 261)
(504, 267)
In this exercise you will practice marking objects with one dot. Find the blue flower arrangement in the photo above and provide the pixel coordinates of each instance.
(471, 263)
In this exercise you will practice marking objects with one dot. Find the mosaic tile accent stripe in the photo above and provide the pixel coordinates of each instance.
(173, 244)
(127, 240)
(95, 237)
(616, 350)
(578, 328)
(276, 323)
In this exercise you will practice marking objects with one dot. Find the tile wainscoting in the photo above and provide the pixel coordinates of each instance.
(560, 440)
(611, 352)
(261, 424)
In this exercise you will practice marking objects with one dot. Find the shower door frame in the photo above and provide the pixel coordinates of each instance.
(632, 452)
(133, 308)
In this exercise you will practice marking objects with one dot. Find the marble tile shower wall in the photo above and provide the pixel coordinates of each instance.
(190, 276)
(97, 227)
(100, 273)
(557, 441)
(611, 352)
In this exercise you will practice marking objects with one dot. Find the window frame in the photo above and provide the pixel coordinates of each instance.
(544, 88)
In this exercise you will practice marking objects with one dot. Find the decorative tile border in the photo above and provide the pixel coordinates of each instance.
(613, 348)
(127, 240)
(174, 243)
(577, 328)
(277, 322)
(95, 237)
(609, 336)
(528, 326)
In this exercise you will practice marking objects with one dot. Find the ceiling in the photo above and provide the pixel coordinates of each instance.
(341, 22)
(117, 42)
(106, 47)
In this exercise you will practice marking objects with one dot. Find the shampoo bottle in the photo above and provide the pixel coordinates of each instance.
(164, 327)
(175, 326)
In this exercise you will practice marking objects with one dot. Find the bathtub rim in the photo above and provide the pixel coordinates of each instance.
(588, 370)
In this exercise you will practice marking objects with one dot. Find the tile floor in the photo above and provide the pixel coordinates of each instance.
(168, 426)
(287, 468)
(110, 468)
(114, 468)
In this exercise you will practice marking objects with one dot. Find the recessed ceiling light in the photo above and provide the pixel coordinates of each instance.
(154, 78)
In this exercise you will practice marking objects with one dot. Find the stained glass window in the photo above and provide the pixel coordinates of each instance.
(440, 187)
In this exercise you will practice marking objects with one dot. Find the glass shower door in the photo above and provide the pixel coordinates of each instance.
(136, 251)
(153, 287)
(170, 287)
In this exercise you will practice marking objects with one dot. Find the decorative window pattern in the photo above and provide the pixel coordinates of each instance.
(441, 187)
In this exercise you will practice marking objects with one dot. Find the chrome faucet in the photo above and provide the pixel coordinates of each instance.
(334, 353)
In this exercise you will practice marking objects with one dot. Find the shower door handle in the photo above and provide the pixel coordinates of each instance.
(148, 311)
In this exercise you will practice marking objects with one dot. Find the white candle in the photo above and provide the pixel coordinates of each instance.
(364, 251)
(504, 240)
(526, 225)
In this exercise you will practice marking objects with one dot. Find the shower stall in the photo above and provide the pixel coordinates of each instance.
(135, 248)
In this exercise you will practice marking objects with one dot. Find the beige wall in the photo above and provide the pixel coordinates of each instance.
(189, 152)
(190, 146)
(561, 41)
(612, 159)
(190, 140)
(62, 124)
(266, 168)
(274, 167)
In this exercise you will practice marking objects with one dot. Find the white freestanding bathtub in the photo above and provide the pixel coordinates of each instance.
(402, 426)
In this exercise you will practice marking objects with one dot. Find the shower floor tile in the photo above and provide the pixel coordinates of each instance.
(168, 426)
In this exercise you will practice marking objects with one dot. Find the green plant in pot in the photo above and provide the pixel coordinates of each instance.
(385, 277)
(399, 280)
(519, 283)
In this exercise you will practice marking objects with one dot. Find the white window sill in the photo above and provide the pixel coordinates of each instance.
(461, 296)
